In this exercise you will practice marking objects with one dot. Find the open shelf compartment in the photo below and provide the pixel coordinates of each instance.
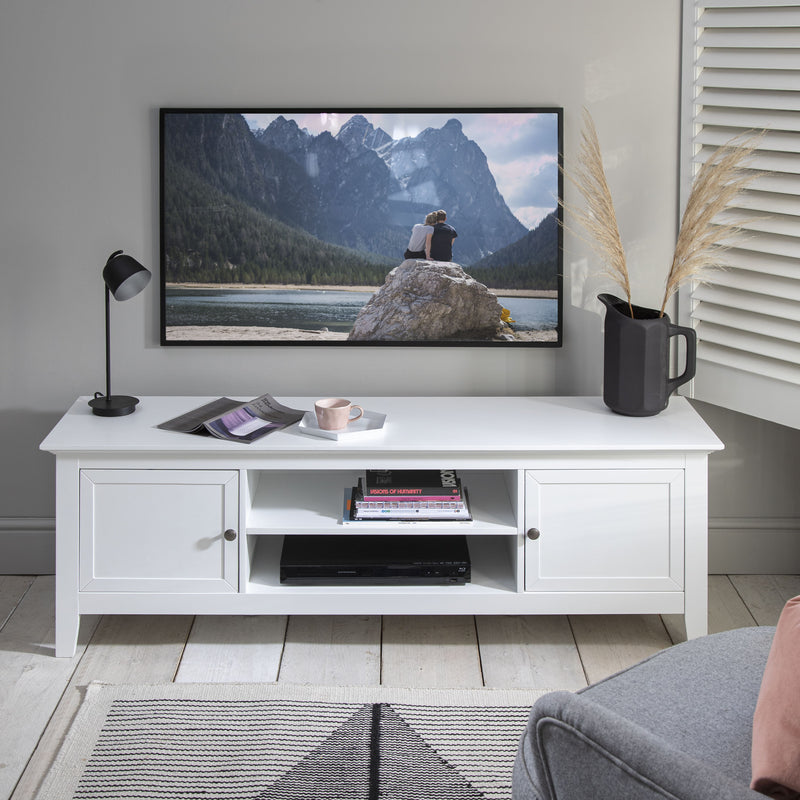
(493, 572)
(310, 502)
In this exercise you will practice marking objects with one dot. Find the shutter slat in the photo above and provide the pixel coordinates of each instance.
(766, 7)
(755, 58)
(740, 98)
(774, 141)
(757, 119)
(747, 362)
(762, 161)
(770, 202)
(760, 17)
(765, 263)
(782, 184)
(774, 245)
(757, 303)
(750, 343)
(760, 222)
(755, 323)
(749, 37)
(785, 79)
(758, 283)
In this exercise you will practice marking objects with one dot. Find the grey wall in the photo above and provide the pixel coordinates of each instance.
(82, 81)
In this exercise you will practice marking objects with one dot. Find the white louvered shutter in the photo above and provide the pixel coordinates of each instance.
(741, 71)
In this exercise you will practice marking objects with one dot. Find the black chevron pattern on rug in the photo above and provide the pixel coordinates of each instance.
(374, 754)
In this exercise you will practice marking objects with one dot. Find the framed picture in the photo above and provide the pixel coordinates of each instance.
(361, 227)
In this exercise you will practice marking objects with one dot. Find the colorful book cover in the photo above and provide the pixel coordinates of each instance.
(412, 483)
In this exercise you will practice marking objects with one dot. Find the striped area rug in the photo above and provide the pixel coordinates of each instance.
(287, 742)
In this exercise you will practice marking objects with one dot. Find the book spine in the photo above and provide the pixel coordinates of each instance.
(403, 510)
(412, 497)
(408, 505)
(411, 492)
(420, 481)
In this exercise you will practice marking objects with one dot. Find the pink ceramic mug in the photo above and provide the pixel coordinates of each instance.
(333, 413)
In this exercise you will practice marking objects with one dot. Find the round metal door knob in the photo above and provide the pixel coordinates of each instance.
(230, 535)
(533, 533)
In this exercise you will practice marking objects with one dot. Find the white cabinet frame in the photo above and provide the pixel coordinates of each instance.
(141, 513)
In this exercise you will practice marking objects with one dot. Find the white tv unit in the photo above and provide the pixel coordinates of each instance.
(576, 510)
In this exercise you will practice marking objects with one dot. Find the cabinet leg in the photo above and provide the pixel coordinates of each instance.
(67, 540)
(67, 626)
(696, 552)
(696, 621)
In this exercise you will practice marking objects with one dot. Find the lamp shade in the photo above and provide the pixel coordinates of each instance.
(125, 276)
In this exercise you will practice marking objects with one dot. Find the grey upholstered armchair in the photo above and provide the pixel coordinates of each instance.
(677, 725)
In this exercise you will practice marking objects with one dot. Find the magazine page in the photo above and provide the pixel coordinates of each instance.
(236, 421)
(194, 421)
(268, 408)
(250, 421)
(241, 425)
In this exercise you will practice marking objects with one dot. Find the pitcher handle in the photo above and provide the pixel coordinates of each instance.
(691, 356)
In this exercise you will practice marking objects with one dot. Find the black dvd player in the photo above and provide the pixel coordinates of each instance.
(374, 560)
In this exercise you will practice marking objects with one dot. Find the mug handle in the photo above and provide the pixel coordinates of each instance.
(360, 413)
(691, 356)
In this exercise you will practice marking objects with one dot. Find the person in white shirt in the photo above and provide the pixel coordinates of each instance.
(419, 245)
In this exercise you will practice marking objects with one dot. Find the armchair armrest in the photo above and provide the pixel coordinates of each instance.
(575, 748)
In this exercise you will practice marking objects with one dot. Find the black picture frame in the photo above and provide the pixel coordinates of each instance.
(278, 225)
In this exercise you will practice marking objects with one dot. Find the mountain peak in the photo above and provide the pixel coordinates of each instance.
(284, 134)
(359, 132)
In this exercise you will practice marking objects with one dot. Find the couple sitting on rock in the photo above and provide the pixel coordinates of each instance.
(433, 239)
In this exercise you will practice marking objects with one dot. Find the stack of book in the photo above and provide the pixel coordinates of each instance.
(409, 496)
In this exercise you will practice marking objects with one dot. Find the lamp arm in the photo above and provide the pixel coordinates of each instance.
(108, 344)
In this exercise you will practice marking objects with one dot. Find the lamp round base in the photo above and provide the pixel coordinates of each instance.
(115, 405)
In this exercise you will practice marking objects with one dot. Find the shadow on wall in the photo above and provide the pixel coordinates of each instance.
(28, 485)
(27, 493)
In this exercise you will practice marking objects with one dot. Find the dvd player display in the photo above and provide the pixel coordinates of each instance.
(374, 560)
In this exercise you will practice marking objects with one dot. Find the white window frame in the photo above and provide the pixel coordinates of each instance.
(741, 71)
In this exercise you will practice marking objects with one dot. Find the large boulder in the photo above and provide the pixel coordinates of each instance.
(428, 300)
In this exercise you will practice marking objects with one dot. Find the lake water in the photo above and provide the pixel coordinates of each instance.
(312, 309)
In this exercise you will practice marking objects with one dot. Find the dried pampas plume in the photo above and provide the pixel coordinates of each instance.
(702, 235)
(599, 219)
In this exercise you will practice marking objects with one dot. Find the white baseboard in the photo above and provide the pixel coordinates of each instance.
(27, 545)
(736, 545)
(754, 545)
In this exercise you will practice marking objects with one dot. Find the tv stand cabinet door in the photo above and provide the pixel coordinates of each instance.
(606, 530)
(159, 530)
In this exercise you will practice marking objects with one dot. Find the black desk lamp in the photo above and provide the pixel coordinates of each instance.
(124, 277)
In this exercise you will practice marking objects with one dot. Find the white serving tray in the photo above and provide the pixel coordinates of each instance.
(368, 421)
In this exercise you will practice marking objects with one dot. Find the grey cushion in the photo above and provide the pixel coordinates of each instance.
(677, 724)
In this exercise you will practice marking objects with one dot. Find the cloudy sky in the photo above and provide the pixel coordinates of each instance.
(521, 148)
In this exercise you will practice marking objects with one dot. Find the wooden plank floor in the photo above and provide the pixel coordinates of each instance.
(39, 694)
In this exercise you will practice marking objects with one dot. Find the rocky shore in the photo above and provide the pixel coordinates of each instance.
(552, 293)
(229, 333)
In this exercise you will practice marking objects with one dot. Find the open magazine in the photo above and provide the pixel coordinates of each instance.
(234, 420)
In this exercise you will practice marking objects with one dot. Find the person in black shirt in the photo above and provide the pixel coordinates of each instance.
(442, 239)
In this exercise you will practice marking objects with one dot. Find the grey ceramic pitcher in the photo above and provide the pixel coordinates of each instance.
(636, 354)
